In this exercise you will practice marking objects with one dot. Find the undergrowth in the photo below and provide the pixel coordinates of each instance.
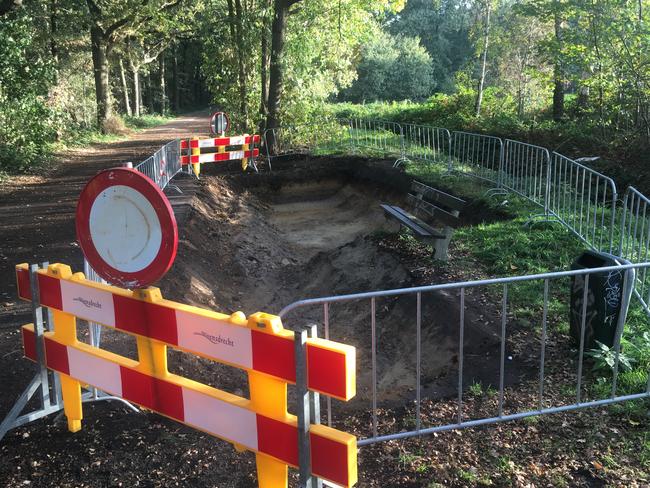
(28, 162)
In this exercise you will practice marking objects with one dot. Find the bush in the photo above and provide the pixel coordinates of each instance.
(392, 68)
(27, 125)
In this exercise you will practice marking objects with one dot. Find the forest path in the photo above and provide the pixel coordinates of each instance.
(37, 212)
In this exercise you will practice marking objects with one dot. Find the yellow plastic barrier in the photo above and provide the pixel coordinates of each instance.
(258, 344)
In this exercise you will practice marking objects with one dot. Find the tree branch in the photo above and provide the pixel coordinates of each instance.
(94, 8)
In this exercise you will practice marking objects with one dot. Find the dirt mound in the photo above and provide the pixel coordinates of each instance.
(263, 245)
(252, 250)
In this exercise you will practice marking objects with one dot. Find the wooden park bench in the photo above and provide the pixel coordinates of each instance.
(428, 205)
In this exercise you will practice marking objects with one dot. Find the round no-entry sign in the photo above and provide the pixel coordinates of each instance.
(126, 228)
(219, 123)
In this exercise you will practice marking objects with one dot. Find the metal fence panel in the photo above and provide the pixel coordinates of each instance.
(477, 155)
(584, 201)
(383, 138)
(171, 153)
(163, 165)
(634, 239)
(327, 136)
(425, 143)
(525, 171)
(541, 390)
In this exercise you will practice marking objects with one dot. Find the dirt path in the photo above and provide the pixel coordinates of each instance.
(37, 213)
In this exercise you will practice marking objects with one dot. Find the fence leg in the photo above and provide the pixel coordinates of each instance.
(42, 380)
(196, 152)
(269, 398)
(302, 410)
(65, 329)
(314, 405)
(245, 148)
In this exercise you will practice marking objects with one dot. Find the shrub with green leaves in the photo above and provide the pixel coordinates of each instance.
(27, 124)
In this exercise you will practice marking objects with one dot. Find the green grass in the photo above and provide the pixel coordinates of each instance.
(147, 121)
(87, 137)
(517, 245)
(84, 138)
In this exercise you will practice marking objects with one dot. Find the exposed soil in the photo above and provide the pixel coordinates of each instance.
(257, 242)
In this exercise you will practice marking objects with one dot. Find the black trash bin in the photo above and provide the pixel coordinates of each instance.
(605, 303)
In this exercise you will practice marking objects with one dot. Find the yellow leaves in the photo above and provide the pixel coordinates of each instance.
(597, 466)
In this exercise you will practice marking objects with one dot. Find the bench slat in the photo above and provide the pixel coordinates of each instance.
(412, 222)
(437, 196)
(435, 212)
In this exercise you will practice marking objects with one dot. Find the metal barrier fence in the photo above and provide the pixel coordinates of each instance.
(318, 138)
(580, 198)
(584, 201)
(634, 239)
(472, 335)
(425, 143)
(163, 165)
(385, 137)
(525, 171)
(477, 155)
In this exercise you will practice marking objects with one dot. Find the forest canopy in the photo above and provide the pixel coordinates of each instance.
(72, 66)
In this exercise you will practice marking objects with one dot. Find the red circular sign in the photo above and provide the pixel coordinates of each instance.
(126, 228)
(219, 123)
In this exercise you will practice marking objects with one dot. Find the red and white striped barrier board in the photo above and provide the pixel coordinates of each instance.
(216, 157)
(220, 141)
(220, 337)
(229, 417)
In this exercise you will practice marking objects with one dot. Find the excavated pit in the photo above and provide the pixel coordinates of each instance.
(261, 242)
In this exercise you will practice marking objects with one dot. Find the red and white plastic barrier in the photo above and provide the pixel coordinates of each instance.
(217, 157)
(220, 141)
(209, 334)
(213, 411)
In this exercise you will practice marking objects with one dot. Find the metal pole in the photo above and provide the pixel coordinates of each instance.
(302, 410)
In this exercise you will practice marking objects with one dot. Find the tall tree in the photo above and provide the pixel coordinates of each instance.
(556, 12)
(103, 36)
(487, 6)
(558, 69)
(281, 12)
(264, 57)
(110, 22)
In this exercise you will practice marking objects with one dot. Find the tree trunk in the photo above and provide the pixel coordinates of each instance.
(243, 85)
(177, 83)
(125, 89)
(558, 79)
(264, 65)
(583, 93)
(151, 95)
(137, 94)
(163, 86)
(235, 25)
(486, 40)
(276, 71)
(101, 72)
(54, 46)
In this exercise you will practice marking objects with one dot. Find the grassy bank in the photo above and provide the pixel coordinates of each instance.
(623, 155)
